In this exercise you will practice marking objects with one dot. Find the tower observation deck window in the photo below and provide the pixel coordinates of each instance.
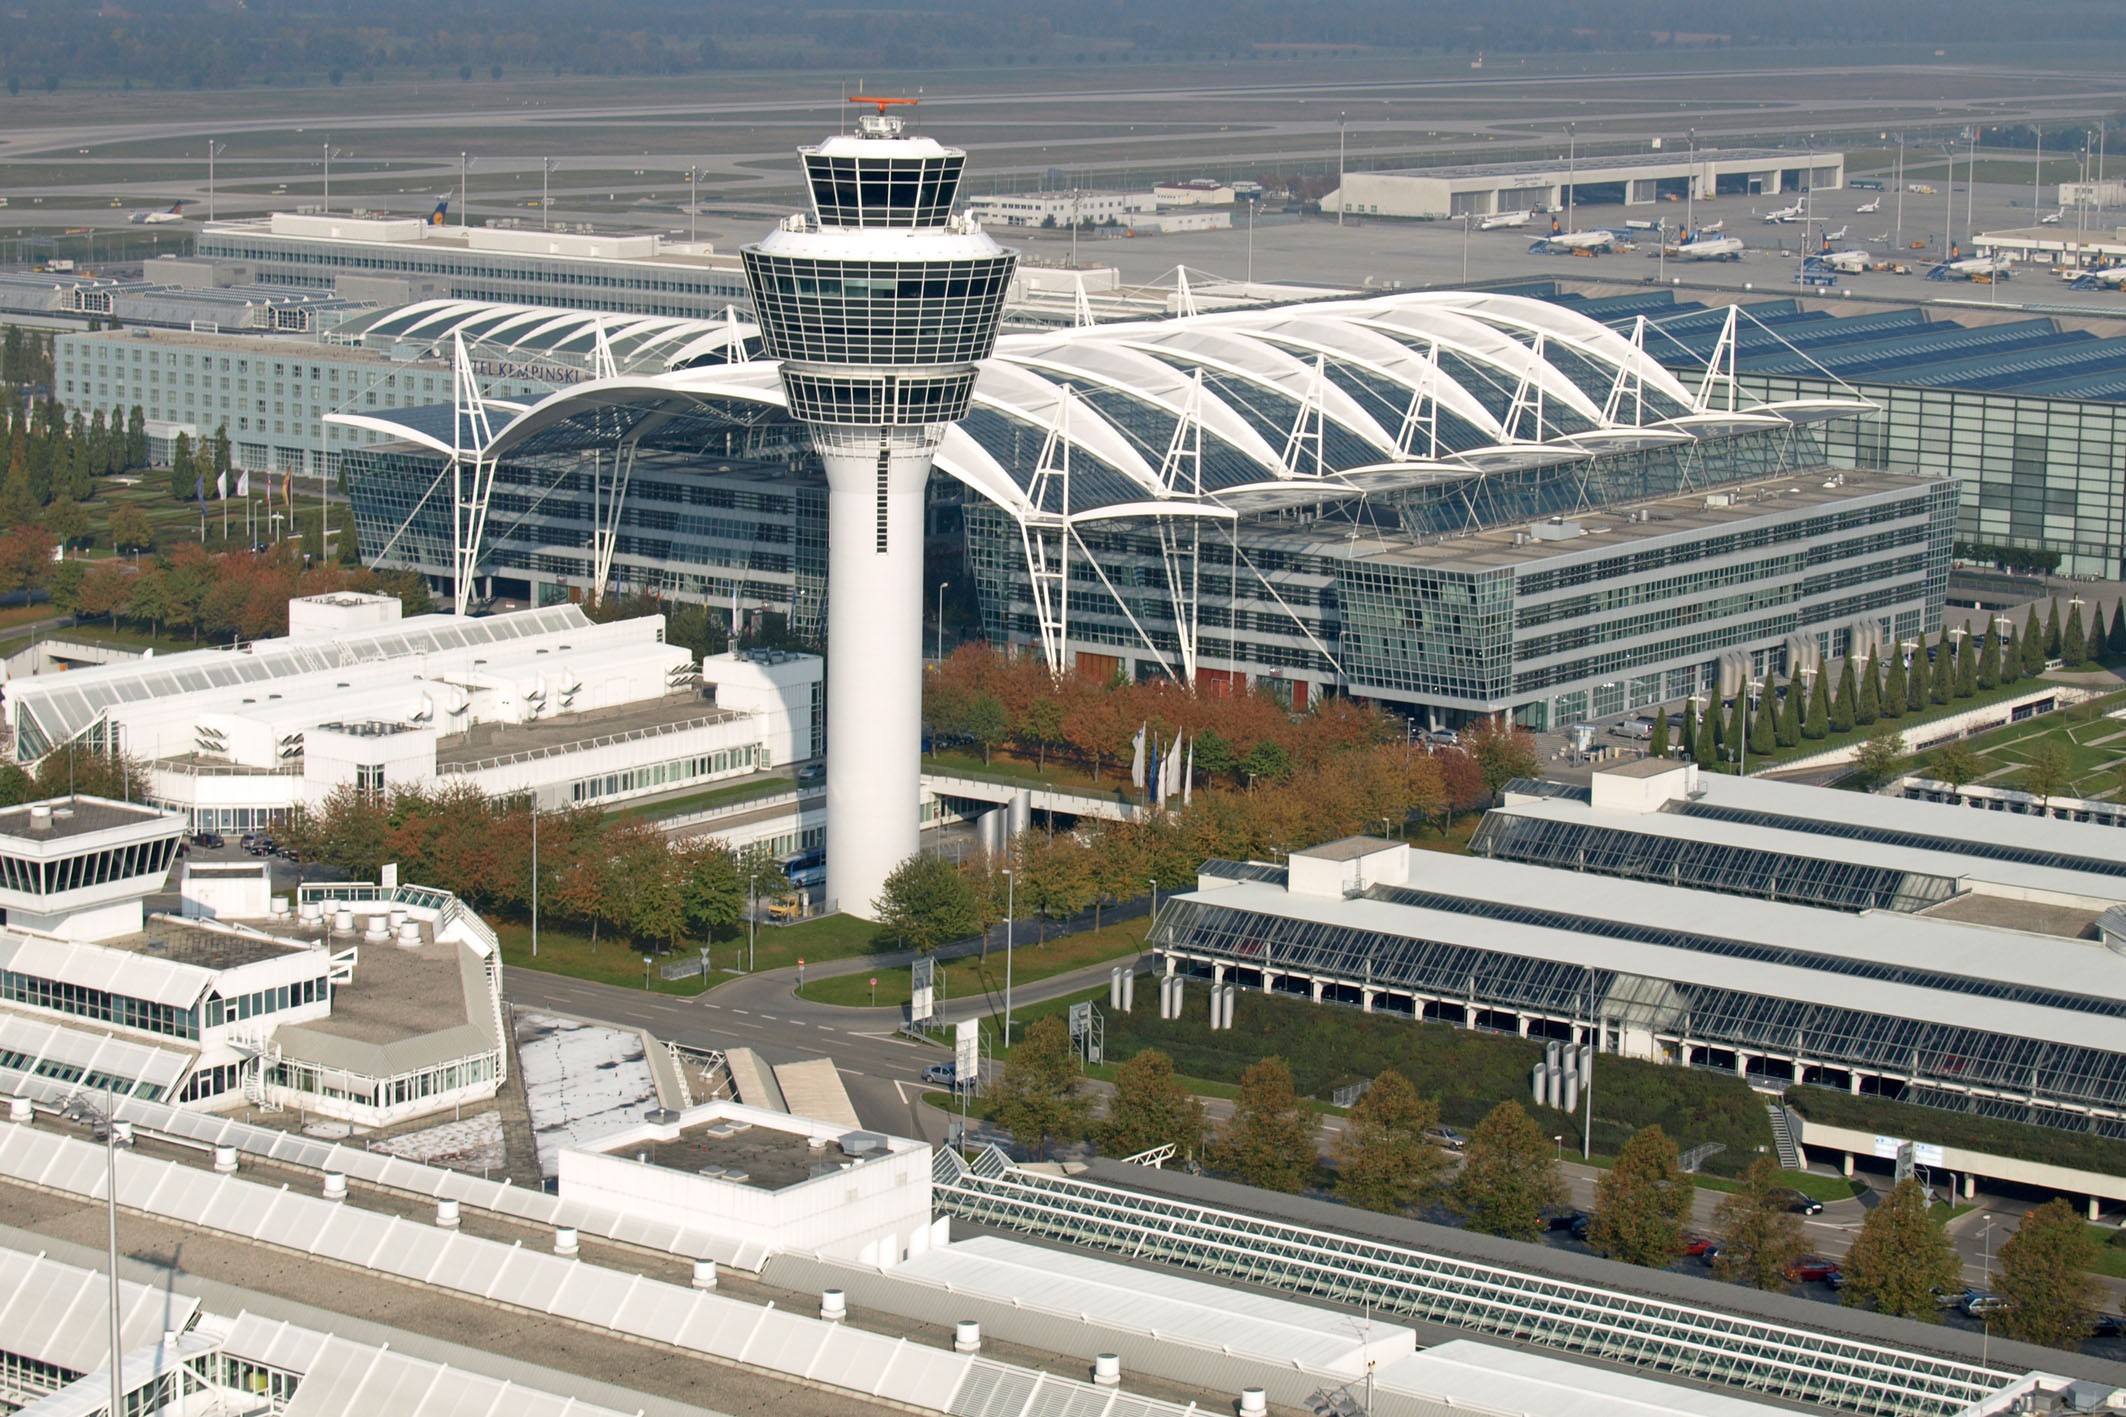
(876, 190)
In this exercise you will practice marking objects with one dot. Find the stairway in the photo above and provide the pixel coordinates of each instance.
(1783, 1137)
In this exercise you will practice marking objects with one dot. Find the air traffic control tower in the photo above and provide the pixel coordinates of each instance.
(879, 305)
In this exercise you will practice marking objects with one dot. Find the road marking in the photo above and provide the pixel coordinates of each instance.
(826, 1028)
(770, 1018)
(747, 1012)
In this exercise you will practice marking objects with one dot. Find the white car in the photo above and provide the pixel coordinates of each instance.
(942, 1074)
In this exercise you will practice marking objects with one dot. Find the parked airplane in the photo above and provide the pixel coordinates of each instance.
(1713, 228)
(1568, 242)
(175, 213)
(1845, 262)
(1989, 268)
(1702, 247)
(1866, 207)
(1838, 235)
(435, 218)
(1500, 221)
(1792, 213)
(2052, 220)
(2102, 278)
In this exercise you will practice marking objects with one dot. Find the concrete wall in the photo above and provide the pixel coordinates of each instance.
(2094, 1186)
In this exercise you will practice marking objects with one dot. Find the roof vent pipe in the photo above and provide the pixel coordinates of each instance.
(41, 817)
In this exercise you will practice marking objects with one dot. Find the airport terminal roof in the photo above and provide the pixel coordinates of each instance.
(1589, 168)
(1324, 401)
(1906, 345)
(1871, 852)
(60, 1314)
(635, 343)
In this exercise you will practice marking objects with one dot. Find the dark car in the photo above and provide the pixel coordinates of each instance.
(1799, 1204)
(1811, 1269)
(1696, 1245)
(210, 840)
(1566, 1220)
(1582, 1222)
(2108, 1326)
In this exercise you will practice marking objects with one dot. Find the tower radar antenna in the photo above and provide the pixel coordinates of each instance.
(884, 123)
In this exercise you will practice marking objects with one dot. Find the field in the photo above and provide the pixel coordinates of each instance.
(2096, 748)
(616, 960)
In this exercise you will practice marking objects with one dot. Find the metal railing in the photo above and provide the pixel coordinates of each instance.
(584, 745)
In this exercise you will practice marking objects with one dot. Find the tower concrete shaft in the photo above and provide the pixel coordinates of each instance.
(879, 305)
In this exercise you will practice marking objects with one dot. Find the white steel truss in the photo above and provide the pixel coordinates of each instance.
(1308, 427)
(1044, 533)
(472, 473)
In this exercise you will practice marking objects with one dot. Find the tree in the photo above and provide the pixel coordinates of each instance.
(2011, 658)
(1040, 1098)
(1503, 751)
(2115, 641)
(1941, 680)
(1383, 1161)
(65, 583)
(105, 590)
(1509, 1176)
(1705, 749)
(1267, 761)
(1894, 691)
(1738, 726)
(1988, 675)
(712, 892)
(2074, 645)
(1763, 739)
(1269, 1140)
(1790, 725)
(2044, 1277)
(1759, 1237)
(1687, 736)
(1900, 1257)
(1641, 1201)
(136, 437)
(925, 903)
(183, 476)
(25, 557)
(2048, 774)
(1149, 1109)
(2052, 630)
(1844, 707)
(1956, 764)
(986, 722)
(1657, 741)
(1916, 679)
(1818, 722)
(67, 523)
(1867, 710)
(2033, 642)
(130, 530)
(1878, 757)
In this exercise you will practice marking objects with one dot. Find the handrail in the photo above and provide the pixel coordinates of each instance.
(605, 740)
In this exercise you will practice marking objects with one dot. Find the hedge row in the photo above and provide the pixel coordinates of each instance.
(2024, 1141)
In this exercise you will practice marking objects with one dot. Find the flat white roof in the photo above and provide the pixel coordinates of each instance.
(1162, 1304)
(60, 1313)
(1893, 940)
(1490, 1378)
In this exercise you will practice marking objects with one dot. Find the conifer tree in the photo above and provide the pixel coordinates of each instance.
(1706, 751)
(2011, 658)
(1687, 738)
(1941, 682)
(2074, 645)
(1989, 658)
(2033, 642)
(181, 472)
(2052, 631)
(1790, 712)
(136, 438)
(1842, 719)
(1916, 678)
(1762, 738)
(1818, 722)
(1738, 724)
(1966, 668)
(1868, 707)
(2117, 638)
(1893, 686)
(1657, 741)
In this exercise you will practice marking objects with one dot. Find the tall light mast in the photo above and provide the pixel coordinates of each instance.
(879, 304)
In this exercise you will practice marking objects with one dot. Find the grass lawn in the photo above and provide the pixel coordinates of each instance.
(2096, 747)
(703, 801)
(972, 975)
(1818, 1188)
(616, 960)
(2110, 1256)
(1060, 773)
(1809, 747)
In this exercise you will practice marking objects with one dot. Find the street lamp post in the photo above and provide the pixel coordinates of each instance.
(1690, 189)
(213, 150)
(1343, 196)
(535, 877)
(79, 1108)
(693, 201)
(1742, 748)
(326, 202)
(546, 172)
(1011, 908)
(464, 165)
(1465, 247)
(1572, 173)
(941, 622)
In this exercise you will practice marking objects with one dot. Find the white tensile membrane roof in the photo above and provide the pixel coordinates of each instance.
(1336, 398)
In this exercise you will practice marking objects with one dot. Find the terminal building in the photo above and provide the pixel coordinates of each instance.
(2026, 411)
(367, 1004)
(1936, 1006)
(1630, 179)
(541, 703)
(396, 261)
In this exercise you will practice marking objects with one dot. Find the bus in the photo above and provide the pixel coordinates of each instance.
(807, 869)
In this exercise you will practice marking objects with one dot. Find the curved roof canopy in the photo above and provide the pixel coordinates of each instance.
(1205, 415)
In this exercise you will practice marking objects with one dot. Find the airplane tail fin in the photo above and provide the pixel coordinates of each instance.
(177, 209)
(435, 218)
(1555, 229)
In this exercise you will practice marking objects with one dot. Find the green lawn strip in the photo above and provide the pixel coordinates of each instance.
(617, 960)
(1817, 1188)
(1810, 747)
(703, 801)
(965, 978)
(1059, 774)
(2110, 1251)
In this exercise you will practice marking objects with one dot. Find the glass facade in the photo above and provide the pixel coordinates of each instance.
(81, 1001)
(438, 268)
(2045, 473)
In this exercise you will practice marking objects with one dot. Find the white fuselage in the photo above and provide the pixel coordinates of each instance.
(1578, 241)
(1715, 248)
(1502, 221)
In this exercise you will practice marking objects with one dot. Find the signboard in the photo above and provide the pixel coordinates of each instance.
(922, 990)
(1923, 1153)
(967, 1053)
